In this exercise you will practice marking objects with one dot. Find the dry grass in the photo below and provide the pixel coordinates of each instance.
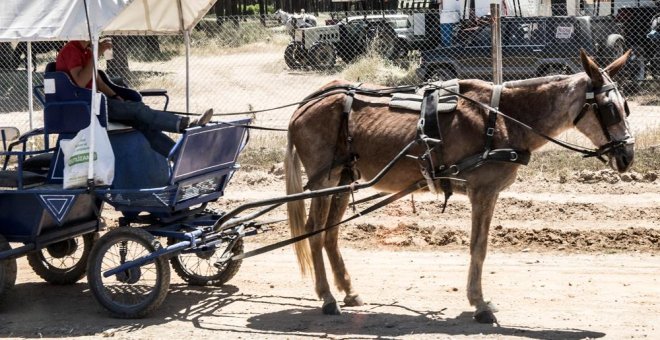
(373, 68)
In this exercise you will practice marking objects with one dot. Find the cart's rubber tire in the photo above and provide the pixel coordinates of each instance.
(158, 269)
(7, 270)
(42, 261)
(218, 276)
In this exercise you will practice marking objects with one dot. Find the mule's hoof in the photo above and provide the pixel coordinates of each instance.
(331, 308)
(353, 301)
(485, 316)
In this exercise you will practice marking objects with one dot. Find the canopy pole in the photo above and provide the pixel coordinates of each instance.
(96, 98)
(30, 71)
(186, 38)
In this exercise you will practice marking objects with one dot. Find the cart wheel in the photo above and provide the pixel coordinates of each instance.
(63, 262)
(7, 270)
(198, 268)
(137, 291)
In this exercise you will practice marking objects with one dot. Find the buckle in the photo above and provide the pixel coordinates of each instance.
(454, 170)
(513, 156)
(490, 132)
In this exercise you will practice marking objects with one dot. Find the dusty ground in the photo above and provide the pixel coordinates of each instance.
(571, 260)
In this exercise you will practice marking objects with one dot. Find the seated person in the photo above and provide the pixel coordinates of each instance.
(75, 59)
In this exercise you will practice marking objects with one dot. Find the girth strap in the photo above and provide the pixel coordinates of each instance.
(498, 155)
(492, 116)
(345, 128)
(429, 127)
(430, 114)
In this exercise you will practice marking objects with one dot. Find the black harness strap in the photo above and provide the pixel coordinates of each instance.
(410, 189)
(497, 155)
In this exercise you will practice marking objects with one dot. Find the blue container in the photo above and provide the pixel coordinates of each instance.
(446, 31)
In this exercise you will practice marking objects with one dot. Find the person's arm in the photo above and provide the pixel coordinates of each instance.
(82, 75)
(105, 88)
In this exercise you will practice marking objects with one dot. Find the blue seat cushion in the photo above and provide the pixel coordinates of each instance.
(9, 179)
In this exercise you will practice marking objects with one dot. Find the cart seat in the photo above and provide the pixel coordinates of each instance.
(38, 164)
(11, 179)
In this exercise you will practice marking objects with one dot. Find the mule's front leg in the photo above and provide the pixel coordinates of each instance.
(483, 205)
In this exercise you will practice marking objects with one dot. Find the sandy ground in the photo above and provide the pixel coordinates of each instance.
(562, 265)
(417, 295)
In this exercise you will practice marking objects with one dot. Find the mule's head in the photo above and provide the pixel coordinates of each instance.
(604, 117)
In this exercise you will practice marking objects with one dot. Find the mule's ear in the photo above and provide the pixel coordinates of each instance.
(617, 65)
(591, 68)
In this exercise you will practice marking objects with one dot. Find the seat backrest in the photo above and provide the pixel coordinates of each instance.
(51, 67)
(227, 140)
(8, 135)
(67, 106)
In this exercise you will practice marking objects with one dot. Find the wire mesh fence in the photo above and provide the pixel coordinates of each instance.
(246, 63)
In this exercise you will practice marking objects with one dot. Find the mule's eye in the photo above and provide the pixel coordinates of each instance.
(625, 108)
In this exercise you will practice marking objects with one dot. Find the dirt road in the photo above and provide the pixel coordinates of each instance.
(570, 260)
(409, 294)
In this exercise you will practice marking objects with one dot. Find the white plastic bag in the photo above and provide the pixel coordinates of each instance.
(76, 158)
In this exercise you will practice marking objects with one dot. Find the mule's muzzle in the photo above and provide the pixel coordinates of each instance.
(622, 154)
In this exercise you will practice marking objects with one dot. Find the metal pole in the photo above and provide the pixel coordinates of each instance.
(186, 38)
(496, 30)
(30, 70)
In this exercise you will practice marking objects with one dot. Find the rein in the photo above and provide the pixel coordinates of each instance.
(442, 172)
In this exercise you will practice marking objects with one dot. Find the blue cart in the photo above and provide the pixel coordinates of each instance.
(162, 201)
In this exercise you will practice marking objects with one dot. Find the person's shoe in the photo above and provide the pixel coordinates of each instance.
(203, 119)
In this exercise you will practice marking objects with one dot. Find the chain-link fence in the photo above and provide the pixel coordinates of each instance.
(245, 63)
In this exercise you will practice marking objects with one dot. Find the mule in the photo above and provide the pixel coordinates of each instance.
(549, 105)
(293, 21)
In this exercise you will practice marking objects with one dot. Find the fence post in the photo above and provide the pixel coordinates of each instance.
(496, 32)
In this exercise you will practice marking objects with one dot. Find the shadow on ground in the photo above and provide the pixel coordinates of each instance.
(35, 310)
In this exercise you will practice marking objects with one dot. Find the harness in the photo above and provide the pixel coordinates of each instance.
(607, 114)
(429, 134)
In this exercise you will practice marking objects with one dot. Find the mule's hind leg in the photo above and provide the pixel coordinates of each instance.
(318, 215)
(342, 279)
(483, 205)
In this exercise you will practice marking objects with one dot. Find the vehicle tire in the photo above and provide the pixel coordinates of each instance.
(293, 56)
(198, 268)
(553, 70)
(632, 76)
(135, 292)
(7, 270)
(441, 73)
(322, 56)
(386, 43)
(64, 262)
(616, 45)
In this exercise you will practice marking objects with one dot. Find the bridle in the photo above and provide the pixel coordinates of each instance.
(607, 114)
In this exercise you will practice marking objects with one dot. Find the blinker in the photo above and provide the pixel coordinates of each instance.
(609, 115)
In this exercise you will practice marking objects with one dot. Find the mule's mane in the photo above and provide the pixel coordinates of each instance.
(535, 82)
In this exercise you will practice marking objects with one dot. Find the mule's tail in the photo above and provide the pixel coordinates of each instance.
(296, 209)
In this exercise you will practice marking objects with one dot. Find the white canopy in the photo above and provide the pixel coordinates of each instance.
(38, 20)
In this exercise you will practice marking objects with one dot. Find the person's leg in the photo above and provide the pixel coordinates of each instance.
(159, 141)
(142, 117)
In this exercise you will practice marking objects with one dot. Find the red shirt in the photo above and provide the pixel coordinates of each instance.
(73, 55)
